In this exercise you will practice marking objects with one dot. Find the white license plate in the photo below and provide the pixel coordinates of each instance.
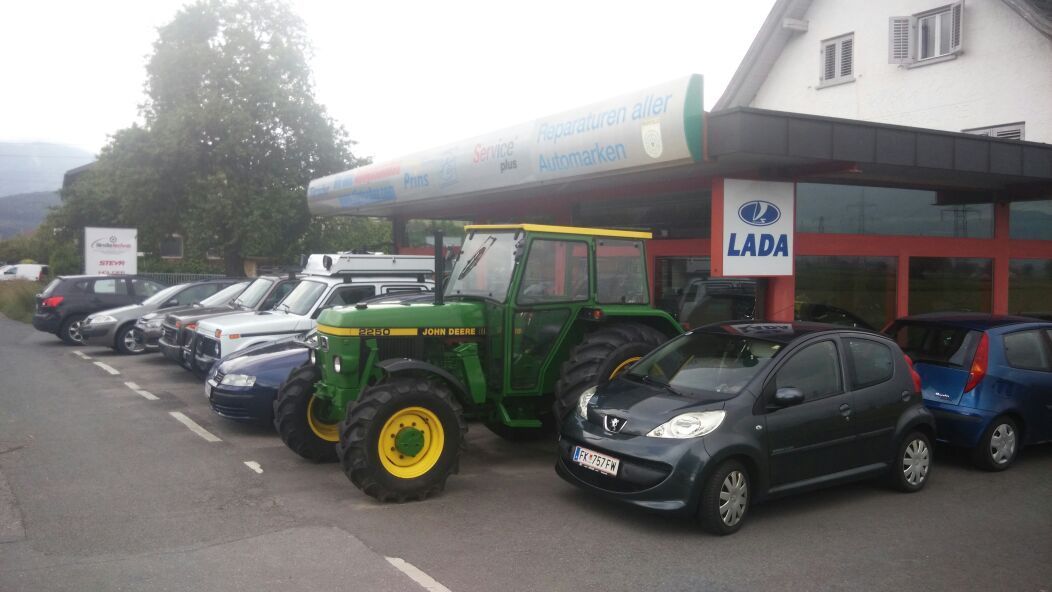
(209, 385)
(596, 461)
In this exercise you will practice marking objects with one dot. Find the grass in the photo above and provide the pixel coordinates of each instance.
(17, 299)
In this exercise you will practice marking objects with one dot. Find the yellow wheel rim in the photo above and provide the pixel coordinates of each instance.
(621, 367)
(411, 442)
(326, 431)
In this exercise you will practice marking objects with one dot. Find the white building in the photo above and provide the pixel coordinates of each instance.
(984, 66)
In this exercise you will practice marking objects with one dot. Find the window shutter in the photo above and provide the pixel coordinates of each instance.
(956, 26)
(847, 57)
(900, 39)
(829, 61)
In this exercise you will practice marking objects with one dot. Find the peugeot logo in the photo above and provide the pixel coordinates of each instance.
(613, 424)
(759, 213)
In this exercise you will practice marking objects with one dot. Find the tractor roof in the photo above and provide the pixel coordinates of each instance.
(561, 230)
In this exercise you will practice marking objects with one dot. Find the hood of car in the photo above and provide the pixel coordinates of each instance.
(643, 407)
(270, 363)
(123, 312)
(251, 323)
(196, 314)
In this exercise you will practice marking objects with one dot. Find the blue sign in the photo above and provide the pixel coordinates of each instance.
(759, 213)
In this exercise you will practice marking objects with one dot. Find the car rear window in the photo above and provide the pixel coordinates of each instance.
(50, 287)
(936, 344)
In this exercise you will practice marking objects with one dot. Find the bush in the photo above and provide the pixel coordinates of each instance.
(17, 299)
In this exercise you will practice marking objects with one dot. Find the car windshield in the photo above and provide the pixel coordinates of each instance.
(484, 266)
(223, 296)
(163, 295)
(301, 299)
(254, 293)
(705, 363)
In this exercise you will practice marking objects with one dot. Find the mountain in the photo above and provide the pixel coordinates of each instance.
(27, 167)
(24, 211)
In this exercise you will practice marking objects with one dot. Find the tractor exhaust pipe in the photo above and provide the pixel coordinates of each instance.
(440, 268)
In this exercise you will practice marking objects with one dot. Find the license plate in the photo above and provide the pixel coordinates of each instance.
(596, 461)
(209, 385)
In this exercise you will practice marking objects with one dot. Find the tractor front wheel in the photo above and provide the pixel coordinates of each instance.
(402, 439)
(300, 417)
(599, 358)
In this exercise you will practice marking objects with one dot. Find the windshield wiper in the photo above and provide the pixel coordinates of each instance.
(648, 379)
(476, 257)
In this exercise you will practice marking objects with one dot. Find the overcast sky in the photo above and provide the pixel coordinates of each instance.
(400, 76)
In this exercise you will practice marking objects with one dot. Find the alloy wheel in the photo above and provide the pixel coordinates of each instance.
(131, 343)
(1002, 444)
(734, 495)
(915, 462)
(74, 332)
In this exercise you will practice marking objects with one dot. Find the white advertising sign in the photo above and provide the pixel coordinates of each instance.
(758, 224)
(111, 251)
(658, 126)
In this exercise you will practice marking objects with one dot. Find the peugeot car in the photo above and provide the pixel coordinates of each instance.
(731, 414)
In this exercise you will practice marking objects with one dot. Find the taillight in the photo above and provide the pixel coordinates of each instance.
(52, 302)
(978, 370)
(913, 374)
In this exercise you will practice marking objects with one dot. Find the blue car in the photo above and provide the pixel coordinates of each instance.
(242, 386)
(986, 378)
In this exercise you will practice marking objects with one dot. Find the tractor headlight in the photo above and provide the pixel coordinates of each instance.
(582, 402)
(689, 425)
(313, 358)
(337, 364)
(238, 380)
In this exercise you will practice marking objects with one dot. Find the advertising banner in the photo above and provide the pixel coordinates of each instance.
(758, 224)
(658, 126)
(111, 251)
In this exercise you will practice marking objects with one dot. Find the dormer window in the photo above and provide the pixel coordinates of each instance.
(913, 40)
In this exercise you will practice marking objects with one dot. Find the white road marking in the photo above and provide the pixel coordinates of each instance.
(107, 368)
(144, 394)
(194, 427)
(82, 355)
(425, 581)
(254, 466)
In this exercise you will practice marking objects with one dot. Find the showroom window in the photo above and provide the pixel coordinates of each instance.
(677, 216)
(860, 209)
(852, 291)
(1030, 220)
(1029, 286)
(950, 284)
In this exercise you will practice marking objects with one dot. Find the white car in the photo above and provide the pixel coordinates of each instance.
(346, 283)
(34, 272)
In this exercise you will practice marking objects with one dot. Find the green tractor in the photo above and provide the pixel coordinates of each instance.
(530, 317)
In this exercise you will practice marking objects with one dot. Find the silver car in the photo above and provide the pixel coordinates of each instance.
(116, 327)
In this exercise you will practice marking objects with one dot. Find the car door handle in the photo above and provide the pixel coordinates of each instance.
(845, 410)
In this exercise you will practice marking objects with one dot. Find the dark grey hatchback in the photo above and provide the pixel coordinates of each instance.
(730, 414)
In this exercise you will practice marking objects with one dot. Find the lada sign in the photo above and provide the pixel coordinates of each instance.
(757, 228)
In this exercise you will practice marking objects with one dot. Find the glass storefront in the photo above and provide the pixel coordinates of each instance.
(950, 284)
(1030, 287)
(856, 291)
(857, 209)
(1030, 220)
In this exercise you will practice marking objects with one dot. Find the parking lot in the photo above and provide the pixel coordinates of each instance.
(115, 474)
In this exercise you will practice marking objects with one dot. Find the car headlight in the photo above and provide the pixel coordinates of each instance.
(101, 320)
(582, 402)
(238, 380)
(154, 323)
(337, 364)
(689, 425)
(313, 358)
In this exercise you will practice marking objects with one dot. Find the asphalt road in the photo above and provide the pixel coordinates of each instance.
(102, 488)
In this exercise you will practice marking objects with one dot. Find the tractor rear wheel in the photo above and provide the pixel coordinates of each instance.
(402, 439)
(599, 358)
(298, 417)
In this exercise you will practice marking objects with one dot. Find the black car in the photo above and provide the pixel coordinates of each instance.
(68, 299)
(731, 414)
(177, 330)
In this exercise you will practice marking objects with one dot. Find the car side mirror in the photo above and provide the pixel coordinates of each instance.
(788, 396)
(170, 303)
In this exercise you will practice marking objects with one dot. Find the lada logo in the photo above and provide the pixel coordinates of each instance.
(613, 424)
(759, 213)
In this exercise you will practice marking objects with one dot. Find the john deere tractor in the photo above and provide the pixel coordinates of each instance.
(530, 317)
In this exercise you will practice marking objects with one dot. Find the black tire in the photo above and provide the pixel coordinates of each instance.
(126, 335)
(69, 330)
(721, 517)
(912, 467)
(601, 353)
(366, 465)
(291, 408)
(999, 446)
